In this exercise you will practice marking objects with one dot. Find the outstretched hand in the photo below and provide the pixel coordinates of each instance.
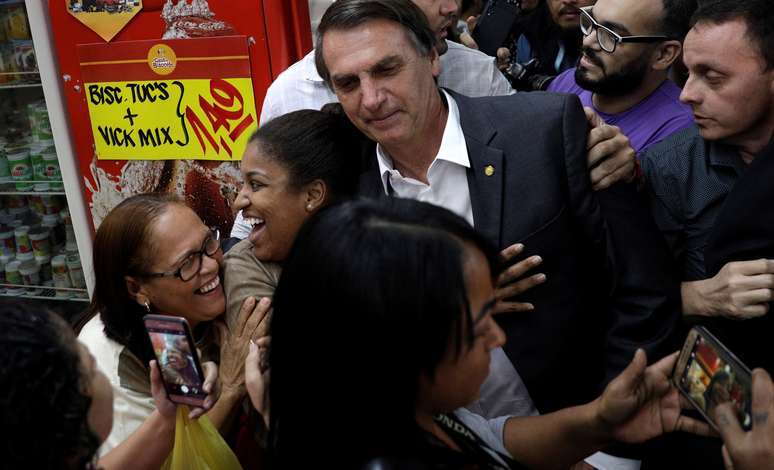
(641, 403)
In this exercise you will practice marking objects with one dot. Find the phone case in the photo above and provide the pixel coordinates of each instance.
(737, 366)
(192, 399)
(494, 25)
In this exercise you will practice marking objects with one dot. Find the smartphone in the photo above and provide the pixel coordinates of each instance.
(495, 23)
(177, 358)
(708, 374)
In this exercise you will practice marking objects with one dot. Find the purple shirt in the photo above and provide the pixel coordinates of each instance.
(650, 121)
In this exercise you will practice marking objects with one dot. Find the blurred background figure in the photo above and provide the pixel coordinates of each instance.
(56, 406)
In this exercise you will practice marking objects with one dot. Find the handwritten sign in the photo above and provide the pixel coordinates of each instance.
(174, 103)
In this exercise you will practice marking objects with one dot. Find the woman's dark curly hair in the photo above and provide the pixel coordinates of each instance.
(44, 399)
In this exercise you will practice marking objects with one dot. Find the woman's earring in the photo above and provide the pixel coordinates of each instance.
(309, 206)
(147, 306)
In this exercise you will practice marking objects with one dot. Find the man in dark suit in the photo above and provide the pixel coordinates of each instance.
(515, 167)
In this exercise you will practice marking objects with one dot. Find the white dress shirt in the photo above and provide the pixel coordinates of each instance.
(447, 175)
(503, 393)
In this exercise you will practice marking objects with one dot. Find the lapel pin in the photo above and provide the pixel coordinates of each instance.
(489, 170)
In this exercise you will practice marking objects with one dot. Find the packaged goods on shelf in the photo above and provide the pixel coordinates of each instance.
(21, 167)
(25, 61)
(30, 274)
(60, 275)
(15, 23)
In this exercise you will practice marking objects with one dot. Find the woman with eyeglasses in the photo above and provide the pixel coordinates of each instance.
(152, 254)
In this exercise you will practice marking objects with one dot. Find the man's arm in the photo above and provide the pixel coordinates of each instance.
(643, 307)
(638, 405)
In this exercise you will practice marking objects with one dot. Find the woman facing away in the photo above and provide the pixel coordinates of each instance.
(152, 254)
(381, 334)
(56, 407)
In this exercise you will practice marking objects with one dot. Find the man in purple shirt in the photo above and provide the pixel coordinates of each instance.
(628, 48)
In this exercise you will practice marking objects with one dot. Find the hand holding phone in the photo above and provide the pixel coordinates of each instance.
(753, 450)
(708, 375)
(177, 359)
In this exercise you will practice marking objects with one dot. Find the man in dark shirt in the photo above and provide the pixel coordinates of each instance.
(730, 55)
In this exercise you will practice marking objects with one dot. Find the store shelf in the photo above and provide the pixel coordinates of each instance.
(14, 86)
(32, 193)
(49, 293)
(7, 189)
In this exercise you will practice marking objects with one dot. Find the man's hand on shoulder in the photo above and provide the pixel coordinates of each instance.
(611, 158)
(740, 290)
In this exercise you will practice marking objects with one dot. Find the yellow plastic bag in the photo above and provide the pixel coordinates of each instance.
(199, 446)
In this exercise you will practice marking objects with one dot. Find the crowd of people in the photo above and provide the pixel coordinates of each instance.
(429, 269)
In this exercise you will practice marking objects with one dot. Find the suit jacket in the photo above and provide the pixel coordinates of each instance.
(611, 285)
(743, 231)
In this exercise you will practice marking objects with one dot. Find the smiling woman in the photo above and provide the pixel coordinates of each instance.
(152, 254)
(294, 165)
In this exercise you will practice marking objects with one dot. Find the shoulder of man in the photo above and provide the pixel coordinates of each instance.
(672, 157)
(458, 50)
(302, 71)
(297, 87)
(471, 72)
(537, 106)
(565, 83)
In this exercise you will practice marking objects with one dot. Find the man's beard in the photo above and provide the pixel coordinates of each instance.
(620, 83)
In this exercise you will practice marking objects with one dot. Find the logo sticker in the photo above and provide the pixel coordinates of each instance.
(162, 59)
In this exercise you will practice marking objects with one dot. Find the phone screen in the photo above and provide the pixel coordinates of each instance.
(175, 354)
(709, 376)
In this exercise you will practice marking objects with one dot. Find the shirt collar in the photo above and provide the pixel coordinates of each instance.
(453, 148)
(725, 155)
(309, 69)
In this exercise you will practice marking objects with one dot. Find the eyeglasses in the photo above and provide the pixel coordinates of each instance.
(607, 38)
(190, 267)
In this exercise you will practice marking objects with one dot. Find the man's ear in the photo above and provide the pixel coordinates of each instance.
(315, 194)
(666, 54)
(137, 290)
